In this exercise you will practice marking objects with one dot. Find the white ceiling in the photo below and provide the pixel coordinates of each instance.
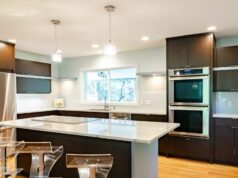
(85, 22)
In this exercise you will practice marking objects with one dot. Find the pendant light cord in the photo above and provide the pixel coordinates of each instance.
(110, 27)
(56, 39)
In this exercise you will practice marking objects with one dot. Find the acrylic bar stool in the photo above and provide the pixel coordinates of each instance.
(8, 151)
(90, 166)
(43, 157)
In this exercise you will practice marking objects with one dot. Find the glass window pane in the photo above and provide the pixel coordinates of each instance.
(96, 85)
(121, 83)
(123, 90)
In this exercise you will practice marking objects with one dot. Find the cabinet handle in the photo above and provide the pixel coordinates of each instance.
(234, 127)
(187, 139)
(234, 151)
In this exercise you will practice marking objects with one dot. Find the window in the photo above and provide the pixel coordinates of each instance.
(113, 85)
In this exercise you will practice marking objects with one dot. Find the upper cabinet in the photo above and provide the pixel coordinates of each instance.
(226, 71)
(190, 51)
(227, 56)
(7, 57)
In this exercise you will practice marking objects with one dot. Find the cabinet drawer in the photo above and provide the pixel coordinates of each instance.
(192, 148)
(229, 122)
(224, 81)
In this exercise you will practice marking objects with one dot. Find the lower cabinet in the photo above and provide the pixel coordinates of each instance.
(84, 114)
(191, 148)
(226, 141)
(149, 117)
(36, 114)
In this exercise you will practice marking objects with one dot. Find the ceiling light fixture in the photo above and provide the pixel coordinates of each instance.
(12, 41)
(110, 49)
(145, 38)
(211, 28)
(95, 46)
(57, 55)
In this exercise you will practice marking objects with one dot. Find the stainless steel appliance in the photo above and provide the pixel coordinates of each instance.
(189, 101)
(8, 99)
(194, 121)
(189, 86)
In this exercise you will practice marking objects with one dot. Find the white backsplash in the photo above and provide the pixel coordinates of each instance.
(226, 102)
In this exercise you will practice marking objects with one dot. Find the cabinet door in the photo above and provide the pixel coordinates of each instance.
(224, 144)
(7, 57)
(177, 53)
(188, 147)
(236, 146)
(226, 81)
(200, 50)
(227, 56)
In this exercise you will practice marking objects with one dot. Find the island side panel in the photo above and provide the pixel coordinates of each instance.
(120, 150)
(145, 160)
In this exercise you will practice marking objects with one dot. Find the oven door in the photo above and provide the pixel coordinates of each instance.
(189, 90)
(194, 121)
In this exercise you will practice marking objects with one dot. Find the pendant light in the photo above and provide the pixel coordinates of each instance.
(110, 49)
(57, 55)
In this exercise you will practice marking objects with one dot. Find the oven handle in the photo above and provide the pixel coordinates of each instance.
(188, 78)
(188, 108)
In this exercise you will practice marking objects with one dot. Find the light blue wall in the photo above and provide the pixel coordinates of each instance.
(225, 42)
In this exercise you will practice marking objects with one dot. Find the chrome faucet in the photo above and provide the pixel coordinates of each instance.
(106, 106)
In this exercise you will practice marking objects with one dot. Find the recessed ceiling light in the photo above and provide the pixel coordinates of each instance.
(145, 38)
(211, 28)
(95, 46)
(12, 41)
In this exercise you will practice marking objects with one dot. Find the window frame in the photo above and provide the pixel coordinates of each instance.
(83, 87)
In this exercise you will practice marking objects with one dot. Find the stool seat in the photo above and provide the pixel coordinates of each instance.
(90, 165)
(43, 157)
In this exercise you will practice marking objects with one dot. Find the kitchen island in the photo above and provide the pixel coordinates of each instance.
(133, 144)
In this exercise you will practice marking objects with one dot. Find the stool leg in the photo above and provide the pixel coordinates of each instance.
(37, 165)
(92, 172)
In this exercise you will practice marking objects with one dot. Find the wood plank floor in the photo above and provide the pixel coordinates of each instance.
(180, 168)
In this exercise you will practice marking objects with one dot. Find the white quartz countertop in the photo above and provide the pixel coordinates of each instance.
(123, 130)
(225, 115)
(93, 109)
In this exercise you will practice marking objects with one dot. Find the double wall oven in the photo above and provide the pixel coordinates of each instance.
(189, 100)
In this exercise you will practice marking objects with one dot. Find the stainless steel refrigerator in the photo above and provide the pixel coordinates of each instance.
(7, 96)
(8, 100)
(7, 110)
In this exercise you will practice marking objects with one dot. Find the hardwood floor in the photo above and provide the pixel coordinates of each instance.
(180, 168)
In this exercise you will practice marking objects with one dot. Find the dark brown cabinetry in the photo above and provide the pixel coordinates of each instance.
(226, 140)
(190, 51)
(28, 84)
(7, 57)
(149, 117)
(187, 147)
(84, 114)
(227, 56)
(224, 79)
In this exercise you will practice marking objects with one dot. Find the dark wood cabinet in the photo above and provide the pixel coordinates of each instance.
(225, 81)
(201, 50)
(190, 51)
(188, 147)
(226, 140)
(149, 117)
(224, 144)
(27, 83)
(84, 114)
(177, 53)
(7, 57)
(227, 56)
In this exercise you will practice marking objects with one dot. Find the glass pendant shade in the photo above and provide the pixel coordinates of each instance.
(57, 57)
(110, 50)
